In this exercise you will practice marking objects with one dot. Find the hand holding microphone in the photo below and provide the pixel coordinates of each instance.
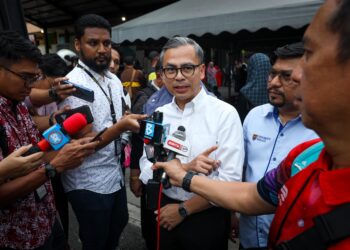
(57, 136)
(176, 144)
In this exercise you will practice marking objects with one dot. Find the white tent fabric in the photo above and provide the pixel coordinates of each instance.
(198, 17)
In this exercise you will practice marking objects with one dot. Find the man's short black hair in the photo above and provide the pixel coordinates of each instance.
(340, 23)
(90, 21)
(53, 65)
(14, 47)
(289, 51)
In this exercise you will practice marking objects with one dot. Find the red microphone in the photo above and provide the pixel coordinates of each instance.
(57, 136)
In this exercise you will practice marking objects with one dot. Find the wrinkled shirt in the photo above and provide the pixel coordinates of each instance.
(101, 171)
(208, 122)
(26, 223)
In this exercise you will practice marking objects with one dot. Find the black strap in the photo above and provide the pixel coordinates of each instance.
(117, 142)
(328, 229)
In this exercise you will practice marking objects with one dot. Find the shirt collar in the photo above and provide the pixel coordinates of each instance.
(333, 183)
(154, 85)
(271, 110)
(195, 102)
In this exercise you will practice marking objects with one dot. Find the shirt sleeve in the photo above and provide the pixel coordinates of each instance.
(231, 147)
(270, 185)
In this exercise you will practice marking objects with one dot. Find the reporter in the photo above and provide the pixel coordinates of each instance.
(27, 209)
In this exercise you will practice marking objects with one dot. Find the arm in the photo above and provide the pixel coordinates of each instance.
(70, 156)
(128, 122)
(41, 97)
(170, 216)
(238, 196)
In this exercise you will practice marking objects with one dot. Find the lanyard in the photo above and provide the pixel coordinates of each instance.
(117, 142)
(109, 98)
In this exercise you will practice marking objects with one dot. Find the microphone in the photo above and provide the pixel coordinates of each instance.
(176, 144)
(57, 136)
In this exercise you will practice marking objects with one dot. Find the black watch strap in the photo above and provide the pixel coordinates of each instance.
(186, 182)
(50, 171)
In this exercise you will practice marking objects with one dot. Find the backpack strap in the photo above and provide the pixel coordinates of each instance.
(328, 229)
(306, 157)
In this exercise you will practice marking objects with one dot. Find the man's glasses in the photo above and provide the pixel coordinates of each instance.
(284, 76)
(29, 79)
(186, 71)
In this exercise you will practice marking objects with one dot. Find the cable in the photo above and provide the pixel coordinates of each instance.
(158, 216)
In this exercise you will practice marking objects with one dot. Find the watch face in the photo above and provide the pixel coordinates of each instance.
(50, 171)
(182, 211)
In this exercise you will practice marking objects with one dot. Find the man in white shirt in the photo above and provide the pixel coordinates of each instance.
(96, 189)
(188, 221)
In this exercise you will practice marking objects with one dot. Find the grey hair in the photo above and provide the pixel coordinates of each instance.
(179, 41)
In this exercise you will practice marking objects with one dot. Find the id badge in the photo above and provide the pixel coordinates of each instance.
(40, 193)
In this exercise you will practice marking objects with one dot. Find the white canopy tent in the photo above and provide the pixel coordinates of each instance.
(197, 17)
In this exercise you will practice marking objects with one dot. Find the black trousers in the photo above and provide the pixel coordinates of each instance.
(207, 230)
(101, 217)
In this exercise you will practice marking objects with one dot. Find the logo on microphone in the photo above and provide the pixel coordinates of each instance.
(55, 138)
(149, 130)
(176, 145)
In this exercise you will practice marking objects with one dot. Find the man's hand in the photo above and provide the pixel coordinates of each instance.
(14, 165)
(169, 216)
(62, 90)
(130, 122)
(135, 183)
(173, 169)
(73, 154)
(203, 163)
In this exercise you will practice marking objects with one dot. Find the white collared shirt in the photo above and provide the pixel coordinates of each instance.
(100, 172)
(208, 121)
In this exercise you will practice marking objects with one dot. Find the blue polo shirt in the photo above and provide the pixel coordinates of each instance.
(267, 142)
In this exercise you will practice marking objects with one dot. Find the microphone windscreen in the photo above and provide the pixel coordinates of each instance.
(44, 145)
(74, 123)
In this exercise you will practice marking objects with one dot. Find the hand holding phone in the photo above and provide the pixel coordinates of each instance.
(81, 92)
(98, 136)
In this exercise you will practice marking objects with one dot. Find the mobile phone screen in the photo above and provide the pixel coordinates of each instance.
(99, 135)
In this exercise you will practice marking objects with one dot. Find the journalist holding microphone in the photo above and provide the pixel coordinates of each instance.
(27, 209)
(187, 220)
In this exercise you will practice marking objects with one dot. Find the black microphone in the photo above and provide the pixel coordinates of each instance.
(176, 144)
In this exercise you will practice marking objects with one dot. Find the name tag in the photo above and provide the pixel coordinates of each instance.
(40, 193)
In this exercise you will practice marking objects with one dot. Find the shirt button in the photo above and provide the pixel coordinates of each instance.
(274, 158)
(282, 134)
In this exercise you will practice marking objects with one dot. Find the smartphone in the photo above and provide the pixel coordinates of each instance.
(81, 92)
(85, 110)
(99, 135)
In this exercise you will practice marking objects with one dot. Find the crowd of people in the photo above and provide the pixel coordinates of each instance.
(271, 170)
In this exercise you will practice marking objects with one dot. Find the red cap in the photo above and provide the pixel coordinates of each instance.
(74, 123)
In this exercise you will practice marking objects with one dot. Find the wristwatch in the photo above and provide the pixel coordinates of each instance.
(186, 182)
(53, 95)
(50, 171)
(182, 210)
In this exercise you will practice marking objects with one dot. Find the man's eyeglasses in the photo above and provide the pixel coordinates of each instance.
(29, 79)
(284, 76)
(186, 70)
